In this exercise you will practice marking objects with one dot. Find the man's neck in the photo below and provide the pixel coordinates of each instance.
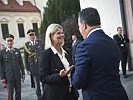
(91, 28)
(9, 47)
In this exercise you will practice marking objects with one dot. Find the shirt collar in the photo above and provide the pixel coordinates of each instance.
(55, 51)
(32, 41)
(75, 40)
(93, 31)
(8, 49)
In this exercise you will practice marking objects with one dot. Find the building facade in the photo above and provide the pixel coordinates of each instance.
(16, 17)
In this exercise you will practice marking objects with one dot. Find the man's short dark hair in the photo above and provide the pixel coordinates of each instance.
(118, 28)
(90, 16)
(75, 34)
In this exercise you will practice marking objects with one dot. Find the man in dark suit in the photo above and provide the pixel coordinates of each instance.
(12, 69)
(121, 40)
(75, 42)
(97, 61)
(32, 50)
(2, 46)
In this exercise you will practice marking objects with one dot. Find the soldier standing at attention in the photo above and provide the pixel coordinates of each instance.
(12, 69)
(32, 50)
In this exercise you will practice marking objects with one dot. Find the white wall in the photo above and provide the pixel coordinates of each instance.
(27, 18)
(109, 11)
(41, 4)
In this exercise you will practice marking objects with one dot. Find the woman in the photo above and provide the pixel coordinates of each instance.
(56, 66)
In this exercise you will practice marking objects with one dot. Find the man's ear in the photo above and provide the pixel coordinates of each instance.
(84, 25)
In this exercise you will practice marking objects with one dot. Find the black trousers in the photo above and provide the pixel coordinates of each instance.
(14, 86)
(32, 81)
(124, 62)
(73, 95)
(37, 86)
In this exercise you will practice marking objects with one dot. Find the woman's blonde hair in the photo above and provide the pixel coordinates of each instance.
(51, 29)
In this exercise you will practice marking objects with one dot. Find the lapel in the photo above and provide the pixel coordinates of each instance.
(58, 62)
(68, 58)
(36, 44)
(30, 46)
(120, 36)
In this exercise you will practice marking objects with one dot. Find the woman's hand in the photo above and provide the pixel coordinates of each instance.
(64, 73)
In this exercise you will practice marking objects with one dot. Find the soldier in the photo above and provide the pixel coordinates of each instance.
(2, 46)
(12, 69)
(32, 50)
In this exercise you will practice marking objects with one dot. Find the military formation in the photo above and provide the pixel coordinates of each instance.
(12, 68)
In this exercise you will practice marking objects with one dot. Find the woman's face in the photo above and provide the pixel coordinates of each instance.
(58, 37)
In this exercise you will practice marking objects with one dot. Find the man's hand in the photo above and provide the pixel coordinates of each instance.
(28, 72)
(23, 78)
(3, 81)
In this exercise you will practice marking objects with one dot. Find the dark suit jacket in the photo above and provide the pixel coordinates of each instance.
(56, 87)
(121, 41)
(96, 70)
(11, 65)
(74, 49)
(30, 63)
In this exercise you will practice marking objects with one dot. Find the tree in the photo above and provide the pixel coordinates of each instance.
(70, 27)
(57, 11)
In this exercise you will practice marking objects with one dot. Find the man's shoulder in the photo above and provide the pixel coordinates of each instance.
(3, 50)
(115, 35)
(16, 49)
(84, 44)
(78, 41)
(39, 40)
(27, 42)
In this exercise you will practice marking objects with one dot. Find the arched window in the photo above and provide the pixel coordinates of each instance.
(35, 25)
(4, 27)
(20, 25)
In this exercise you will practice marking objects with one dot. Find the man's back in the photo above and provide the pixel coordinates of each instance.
(98, 61)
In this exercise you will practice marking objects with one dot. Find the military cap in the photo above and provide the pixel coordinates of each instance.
(30, 31)
(9, 37)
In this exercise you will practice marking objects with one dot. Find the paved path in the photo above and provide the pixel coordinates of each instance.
(128, 84)
(28, 93)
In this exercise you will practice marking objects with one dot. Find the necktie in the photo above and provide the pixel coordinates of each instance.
(33, 42)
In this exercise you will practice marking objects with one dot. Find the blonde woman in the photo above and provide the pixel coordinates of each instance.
(56, 67)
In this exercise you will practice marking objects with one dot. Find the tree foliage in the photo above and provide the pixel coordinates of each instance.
(57, 11)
